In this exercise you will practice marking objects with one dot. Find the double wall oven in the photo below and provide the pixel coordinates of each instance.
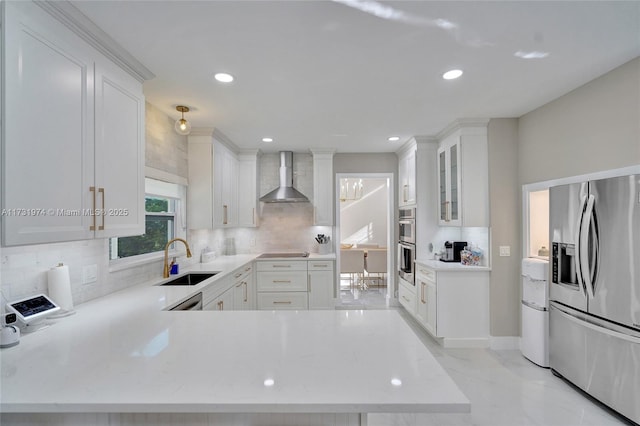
(407, 244)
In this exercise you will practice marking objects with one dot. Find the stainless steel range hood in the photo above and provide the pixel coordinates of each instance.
(286, 193)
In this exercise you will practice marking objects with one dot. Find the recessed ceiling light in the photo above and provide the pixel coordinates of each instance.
(223, 77)
(396, 382)
(531, 55)
(269, 382)
(453, 74)
(394, 138)
(267, 139)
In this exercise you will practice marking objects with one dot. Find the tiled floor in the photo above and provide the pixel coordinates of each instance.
(504, 388)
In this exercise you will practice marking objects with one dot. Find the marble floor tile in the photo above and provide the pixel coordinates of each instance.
(504, 389)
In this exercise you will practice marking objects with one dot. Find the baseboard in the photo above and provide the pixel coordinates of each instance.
(504, 343)
(465, 342)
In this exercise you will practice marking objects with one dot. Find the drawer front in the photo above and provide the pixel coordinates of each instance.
(282, 301)
(241, 273)
(407, 299)
(427, 273)
(320, 265)
(282, 265)
(282, 281)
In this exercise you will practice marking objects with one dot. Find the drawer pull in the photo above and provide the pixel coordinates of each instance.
(247, 269)
(281, 281)
(238, 275)
(405, 298)
(281, 266)
(288, 302)
(320, 266)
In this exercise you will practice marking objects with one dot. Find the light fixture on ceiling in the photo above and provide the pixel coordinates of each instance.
(267, 139)
(350, 191)
(531, 55)
(223, 77)
(183, 127)
(393, 138)
(451, 75)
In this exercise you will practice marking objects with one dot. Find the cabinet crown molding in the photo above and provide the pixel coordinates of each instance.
(82, 26)
(472, 125)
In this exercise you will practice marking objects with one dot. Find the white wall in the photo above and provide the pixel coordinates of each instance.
(365, 220)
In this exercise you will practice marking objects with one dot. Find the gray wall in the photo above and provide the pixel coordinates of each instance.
(366, 163)
(596, 127)
(593, 128)
(504, 198)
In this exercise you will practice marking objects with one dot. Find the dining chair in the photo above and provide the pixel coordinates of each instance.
(352, 262)
(377, 264)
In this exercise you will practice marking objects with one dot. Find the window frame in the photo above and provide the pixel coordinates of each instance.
(158, 189)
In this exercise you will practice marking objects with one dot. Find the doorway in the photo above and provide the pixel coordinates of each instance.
(365, 249)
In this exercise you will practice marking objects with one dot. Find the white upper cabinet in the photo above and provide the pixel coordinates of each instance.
(463, 177)
(248, 188)
(407, 174)
(322, 187)
(222, 191)
(119, 152)
(73, 135)
(225, 187)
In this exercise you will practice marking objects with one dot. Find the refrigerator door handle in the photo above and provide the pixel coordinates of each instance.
(578, 246)
(597, 325)
(584, 246)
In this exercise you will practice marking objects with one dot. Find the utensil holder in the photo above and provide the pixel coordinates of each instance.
(324, 248)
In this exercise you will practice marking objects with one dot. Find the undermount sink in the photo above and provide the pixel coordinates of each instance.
(190, 279)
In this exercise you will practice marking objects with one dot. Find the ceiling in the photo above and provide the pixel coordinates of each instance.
(348, 74)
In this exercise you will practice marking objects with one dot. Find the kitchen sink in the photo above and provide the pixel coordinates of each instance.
(190, 279)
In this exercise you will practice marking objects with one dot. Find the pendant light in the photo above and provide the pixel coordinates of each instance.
(183, 127)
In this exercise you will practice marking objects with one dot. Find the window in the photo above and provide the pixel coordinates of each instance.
(162, 205)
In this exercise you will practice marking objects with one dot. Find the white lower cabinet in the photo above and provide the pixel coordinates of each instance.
(321, 276)
(244, 289)
(297, 284)
(453, 305)
(282, 300)
(224, 302)
(407, 296)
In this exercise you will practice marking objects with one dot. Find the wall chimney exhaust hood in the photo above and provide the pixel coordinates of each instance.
(285, 193)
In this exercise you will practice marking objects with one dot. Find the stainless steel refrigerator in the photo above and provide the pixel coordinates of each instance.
(594, 318)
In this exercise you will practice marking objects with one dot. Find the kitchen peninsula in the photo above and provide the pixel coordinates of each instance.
(124, 355)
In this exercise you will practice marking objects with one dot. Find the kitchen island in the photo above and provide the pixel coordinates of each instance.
(122, 356)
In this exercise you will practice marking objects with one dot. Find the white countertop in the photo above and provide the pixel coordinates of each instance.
(450, 266)
(125, 353)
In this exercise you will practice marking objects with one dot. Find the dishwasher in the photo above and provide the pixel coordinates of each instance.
(194, 303)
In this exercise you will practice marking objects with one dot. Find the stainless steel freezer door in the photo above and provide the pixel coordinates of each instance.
(617, 281)
(598, 356)
(565, 209)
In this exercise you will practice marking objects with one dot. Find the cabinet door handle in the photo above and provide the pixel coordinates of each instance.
(220, 305)
(246, 291)
(422, 286)
(288, 302)
(308, 283)
(224, 214)
(101, 227)
(92, 189)
(253, 215)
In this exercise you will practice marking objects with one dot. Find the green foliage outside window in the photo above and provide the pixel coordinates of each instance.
(159, 228)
